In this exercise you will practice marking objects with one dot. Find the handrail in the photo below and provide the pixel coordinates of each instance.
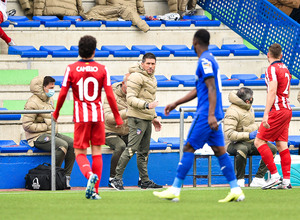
(53, 165)
(182, 109)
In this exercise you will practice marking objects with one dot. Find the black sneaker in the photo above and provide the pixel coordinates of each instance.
(117, 184)
(150, 185)
(109, 183)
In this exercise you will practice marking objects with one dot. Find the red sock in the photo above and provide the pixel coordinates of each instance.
(84, 165)
(285, 163)
(4, 36)
(267, 157)
(97, 169)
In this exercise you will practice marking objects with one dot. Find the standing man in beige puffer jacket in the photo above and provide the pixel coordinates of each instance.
(38, 126)
(240, 130)
(141, 95)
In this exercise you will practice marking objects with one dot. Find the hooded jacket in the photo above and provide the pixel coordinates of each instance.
(37, 124)
(110, 123)
(141, 89)
(286, 6)
(239, 120)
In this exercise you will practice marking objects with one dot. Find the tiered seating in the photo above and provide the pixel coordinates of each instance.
(240, 50)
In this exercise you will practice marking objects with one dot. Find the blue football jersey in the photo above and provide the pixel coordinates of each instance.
(208, 67)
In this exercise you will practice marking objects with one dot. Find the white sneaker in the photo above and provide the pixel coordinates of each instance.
(258, 182)
(274, 181)
(241, 182)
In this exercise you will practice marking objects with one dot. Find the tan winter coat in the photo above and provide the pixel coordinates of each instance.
(141, 89)
(110, 123)
(136, 5)
(52, 7)
(286, 6)
(239, 120)
(112, 13)
(37, 124)
(181, 5)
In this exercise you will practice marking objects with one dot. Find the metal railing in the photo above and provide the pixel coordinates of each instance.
(181, 125)
(53, 165)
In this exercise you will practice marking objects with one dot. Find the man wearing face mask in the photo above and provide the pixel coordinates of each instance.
(38, 126)
(240, 131)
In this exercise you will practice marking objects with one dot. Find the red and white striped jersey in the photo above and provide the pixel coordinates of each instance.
(3, 4)
(87, 77)
(277, 71)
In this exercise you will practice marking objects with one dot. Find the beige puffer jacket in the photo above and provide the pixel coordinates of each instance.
(110, 123)
(136, 5)
(181, 5)
(37, 124)
(52, 7)
(286, 6)
(141, 89)
(239, 120)
(112, 13)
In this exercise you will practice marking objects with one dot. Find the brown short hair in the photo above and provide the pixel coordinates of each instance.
(148, 56)
(275, 50)
(86, 46)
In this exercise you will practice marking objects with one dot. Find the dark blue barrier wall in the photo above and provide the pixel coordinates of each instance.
(162, 169)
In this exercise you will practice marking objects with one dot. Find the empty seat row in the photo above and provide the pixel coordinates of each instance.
(78, 21)
(135, 51)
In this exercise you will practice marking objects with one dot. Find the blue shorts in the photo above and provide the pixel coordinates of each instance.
(200, 133)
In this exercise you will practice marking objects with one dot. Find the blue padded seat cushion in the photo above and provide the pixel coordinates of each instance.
(98, 53)
(183, 78)
(243, 77)
(117, 23)
(240, 50)
(73, 19)
(177, 23)
(174, 114)
(154, 23)
(196, 17)
(58, 80)
(118, 78)
(59, 51)
(9, 116)
(255, 82)
(88, 23)
(151, 49)
(216, 51)
(17, 18)
(26, 51)
(213, 23)
(157, 145)
(120, 51)
(43, 19)
(173, 141)
(28, 24)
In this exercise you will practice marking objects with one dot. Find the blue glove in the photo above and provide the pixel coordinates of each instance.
(252, 134)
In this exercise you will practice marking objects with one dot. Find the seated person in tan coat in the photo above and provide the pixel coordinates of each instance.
(38, 126)
(289, 7)
(240, 131)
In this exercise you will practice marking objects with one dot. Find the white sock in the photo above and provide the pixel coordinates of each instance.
(236, 190)
(286, 181)
(275, 175)
(175, 191)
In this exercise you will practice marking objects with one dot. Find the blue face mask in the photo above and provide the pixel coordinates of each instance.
(50, 93)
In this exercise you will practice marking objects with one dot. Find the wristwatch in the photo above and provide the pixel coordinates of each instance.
(147, 106)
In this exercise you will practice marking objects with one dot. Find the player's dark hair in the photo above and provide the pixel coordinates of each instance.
(245, 93)
(148, 56)
(47, 80)
(202, 37)
(86, 46)
(275, 50)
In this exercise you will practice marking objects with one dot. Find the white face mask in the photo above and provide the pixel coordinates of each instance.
(50, 93)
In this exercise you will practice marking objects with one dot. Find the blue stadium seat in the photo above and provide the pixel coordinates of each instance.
(229, 82)
(26, 51)
(179, 50)
(151, 49)
(240, 50)
(154, 23)
(9, 116)
(173, 142)
(249, 79)
(294, 140)
(120, 51)
(5, 24)
(216, 51)
(294, 82)
(118, 78)
(174, 114)
(98, 53)
(117, 23)
(7, 143)
(59, 51)
(17, 18)
(157, 145)
(213, 23)
(192, 114)
(196, 17)
(73, 19)
(23, 21)
(185, 80)
(259, 114)
(162, 81)
(24, 143)
(88, 23)
(186, 23)
(44, 19)
(58, 80)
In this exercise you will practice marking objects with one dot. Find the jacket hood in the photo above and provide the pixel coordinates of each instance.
(36, 87)
(137, 68)
(234, 99)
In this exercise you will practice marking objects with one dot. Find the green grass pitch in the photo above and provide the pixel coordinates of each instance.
(195, 203)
